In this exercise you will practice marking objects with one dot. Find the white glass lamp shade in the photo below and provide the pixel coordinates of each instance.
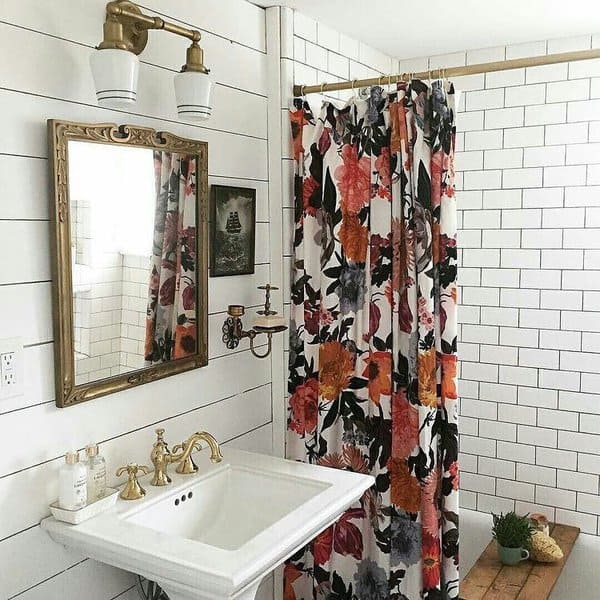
(192, 92)
(115, 74)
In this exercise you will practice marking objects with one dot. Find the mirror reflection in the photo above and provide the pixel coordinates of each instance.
(133, 247)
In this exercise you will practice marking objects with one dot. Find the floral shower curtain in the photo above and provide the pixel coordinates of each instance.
(171, 310)
(372, 378)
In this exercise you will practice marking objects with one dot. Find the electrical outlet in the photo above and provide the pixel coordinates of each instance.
(11, 368)
(9, 379)
(7, 360)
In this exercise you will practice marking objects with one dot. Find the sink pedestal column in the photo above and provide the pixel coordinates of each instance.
(248, 593)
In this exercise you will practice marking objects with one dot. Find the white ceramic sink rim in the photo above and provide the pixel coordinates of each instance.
(113, 538)
(223, 474)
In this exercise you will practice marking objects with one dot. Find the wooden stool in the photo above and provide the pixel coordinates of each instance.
(490, 579)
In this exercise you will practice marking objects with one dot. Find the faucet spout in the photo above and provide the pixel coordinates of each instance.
(182, 452)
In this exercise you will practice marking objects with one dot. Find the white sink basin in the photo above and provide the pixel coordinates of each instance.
(216, 534)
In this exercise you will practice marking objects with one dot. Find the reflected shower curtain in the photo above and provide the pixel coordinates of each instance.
(171, 310)
(372, 377)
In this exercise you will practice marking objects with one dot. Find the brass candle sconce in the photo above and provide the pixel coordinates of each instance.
(268, 323)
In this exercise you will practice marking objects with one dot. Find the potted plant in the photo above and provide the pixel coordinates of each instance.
(513, 537)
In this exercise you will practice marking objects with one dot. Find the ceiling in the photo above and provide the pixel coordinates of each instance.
(406, 29)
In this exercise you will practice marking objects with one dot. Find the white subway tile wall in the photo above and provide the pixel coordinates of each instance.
(528, 186)
(530, 277)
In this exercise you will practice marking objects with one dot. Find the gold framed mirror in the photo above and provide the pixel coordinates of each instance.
(129, 257)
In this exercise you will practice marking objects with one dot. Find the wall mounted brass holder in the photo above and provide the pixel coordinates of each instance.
(233, 330)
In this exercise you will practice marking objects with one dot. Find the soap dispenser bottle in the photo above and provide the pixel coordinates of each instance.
(96, 473)
(72, 483)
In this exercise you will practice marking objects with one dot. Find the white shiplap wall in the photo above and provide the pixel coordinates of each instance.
(45, 74)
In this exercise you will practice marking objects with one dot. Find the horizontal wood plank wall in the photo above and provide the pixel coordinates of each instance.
(46, 74)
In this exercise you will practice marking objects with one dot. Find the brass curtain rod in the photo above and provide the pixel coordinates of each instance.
(503, 65)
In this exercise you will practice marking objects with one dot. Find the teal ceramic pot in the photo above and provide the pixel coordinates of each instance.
(511, 556)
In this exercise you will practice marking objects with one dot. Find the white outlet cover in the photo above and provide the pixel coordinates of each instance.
(14, 345)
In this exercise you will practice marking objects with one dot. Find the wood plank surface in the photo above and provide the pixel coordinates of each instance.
(543, 577)
(489, 579)
(482, 574)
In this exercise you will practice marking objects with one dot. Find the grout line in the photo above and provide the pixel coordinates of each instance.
(48, 402)
(129, 589)
(19, 532)
(128, 112)
(136, 429)
(48, 579)
(15, 283)
(224, 443)
(84, 560)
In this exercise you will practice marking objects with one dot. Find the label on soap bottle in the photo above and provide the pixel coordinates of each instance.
(96, 481)
(80, 488)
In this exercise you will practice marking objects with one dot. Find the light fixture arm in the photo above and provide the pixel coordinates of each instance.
(126, 28)
(125, 9)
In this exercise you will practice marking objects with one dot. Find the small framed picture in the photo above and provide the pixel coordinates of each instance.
(233, 230)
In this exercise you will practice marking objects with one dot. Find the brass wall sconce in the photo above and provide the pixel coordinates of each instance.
(268, 323)
(115, 64)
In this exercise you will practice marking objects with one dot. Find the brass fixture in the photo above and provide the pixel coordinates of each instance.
(233, 330)
(121, 31)
(126, 28)
(516, 63)
(184, 458)
(132, 490)
(115, 66)
(161, 456)
(195, 59)
(186, 465)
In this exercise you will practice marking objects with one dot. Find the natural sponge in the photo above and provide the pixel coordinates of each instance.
(544, 548)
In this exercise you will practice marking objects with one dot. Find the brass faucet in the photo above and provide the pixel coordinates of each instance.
(132, 490)
(184, 457)
(161, 456)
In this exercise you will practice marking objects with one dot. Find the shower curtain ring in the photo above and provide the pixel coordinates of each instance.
(303, 91)
(322, 86)
(353, 84)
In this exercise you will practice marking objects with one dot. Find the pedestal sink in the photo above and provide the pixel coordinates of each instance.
(216, 534)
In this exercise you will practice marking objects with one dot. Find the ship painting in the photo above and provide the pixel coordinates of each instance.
(233, 217)
(233, 224)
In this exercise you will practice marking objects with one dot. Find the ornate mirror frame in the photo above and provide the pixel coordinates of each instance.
(59, 134)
